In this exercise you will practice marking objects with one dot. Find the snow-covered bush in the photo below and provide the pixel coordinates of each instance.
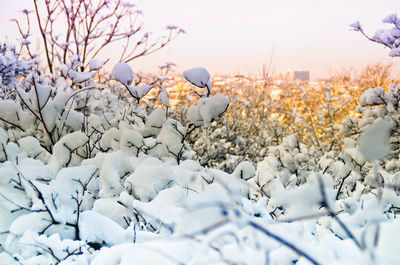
(10, 66)
(290, 163)
(117, 207)
(47, 109)
(371, 147)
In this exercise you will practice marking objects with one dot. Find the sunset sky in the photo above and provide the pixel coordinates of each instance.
(239, 36)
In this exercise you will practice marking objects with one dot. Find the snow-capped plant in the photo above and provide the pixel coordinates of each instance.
(163, 96)
(208, 107)
(379, 110)
(10, 65)
(117, 207)
(204, 112)
(388, 37)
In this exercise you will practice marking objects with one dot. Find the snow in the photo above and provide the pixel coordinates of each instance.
(38, 97)
(9, 110)
(95, 64)
(384, 36)
(245, 170)
(113, 168)
(150, 177)
(163, 252)
(113, 209)
(387, 250)
(131, 141)
(373, 96)
(171, 136)
(63, 150)
(94, 227)
(165, 197)
(28, 222)
(394, 52)
(193, 115)
(110, 139)
(164, 97)
(154, 122)
(25, 42)
(374, 142)
(123, 73)
(166, 208)
(60, 100)
(11, 67)
(31, 146)
(199, 77)
(356, 26)
(207, 109)
(79, 77)
(139, 92)
(391, 19)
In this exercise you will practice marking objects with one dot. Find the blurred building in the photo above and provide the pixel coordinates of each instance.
(301, 75)
(294, 75)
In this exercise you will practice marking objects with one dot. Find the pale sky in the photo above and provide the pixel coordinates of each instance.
(239, 36)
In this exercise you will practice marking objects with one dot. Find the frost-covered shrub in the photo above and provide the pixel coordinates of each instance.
(207, 109)
(368, 163)
(373, 136)
(289, 164)
(164, 212)
(48, 109)
(170, 134)
(10, 66)
(134, 200)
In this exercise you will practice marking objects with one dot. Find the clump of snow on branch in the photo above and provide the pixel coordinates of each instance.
(123, 73)
(199, 77)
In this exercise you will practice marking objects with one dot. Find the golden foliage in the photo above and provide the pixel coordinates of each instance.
(263, 113)
(313, 110)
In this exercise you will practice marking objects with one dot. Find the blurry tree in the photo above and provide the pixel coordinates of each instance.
(374, 75)
(85, 27)
(353, 83)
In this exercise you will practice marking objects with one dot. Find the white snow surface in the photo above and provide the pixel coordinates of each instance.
(164, 97)
(207, 109)
(374, 142)
(198, 76)
(143, 210)
(123, 73)
(95, 64)
(79, 77)
(139, 91)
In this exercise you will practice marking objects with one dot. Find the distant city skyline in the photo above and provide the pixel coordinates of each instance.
(239, 37)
